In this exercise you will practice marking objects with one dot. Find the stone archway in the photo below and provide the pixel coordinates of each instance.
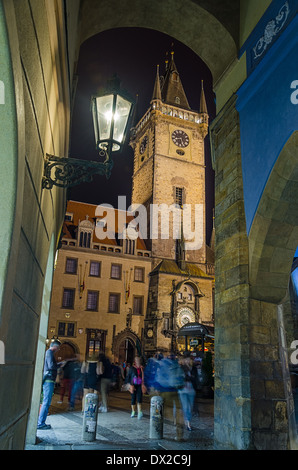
(273, 240)
(127, 341)
(194, 25)
(273, 237)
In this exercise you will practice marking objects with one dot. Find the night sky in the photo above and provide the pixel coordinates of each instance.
(133, 54)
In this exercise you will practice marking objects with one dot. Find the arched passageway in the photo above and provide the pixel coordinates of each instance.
(251, 408)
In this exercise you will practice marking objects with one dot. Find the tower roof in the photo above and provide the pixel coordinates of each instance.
(172, 91)
(156, 92)
(203, 105)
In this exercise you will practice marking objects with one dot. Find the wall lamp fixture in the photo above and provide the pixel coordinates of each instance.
(111, 112)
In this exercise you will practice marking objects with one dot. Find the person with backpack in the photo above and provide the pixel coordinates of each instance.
(150, 372)
(169, 380)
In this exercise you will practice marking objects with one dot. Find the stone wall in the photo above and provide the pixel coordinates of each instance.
(42, 95)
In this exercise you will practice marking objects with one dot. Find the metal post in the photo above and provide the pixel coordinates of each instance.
(90, 417)
(156, 418)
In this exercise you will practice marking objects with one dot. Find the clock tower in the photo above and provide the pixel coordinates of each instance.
(169, 180)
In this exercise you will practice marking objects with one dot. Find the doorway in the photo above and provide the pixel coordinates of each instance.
(126, 351)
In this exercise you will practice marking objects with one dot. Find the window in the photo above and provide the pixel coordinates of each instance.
(179, 196)
(95, 342)
(130, 247)
(116, 271)
(92, 300)
(190, 297)
(179, 295)
(68, 298)
(139, 275)
(66, 329)
(94, 269)
(85, 239)
(71, 265)
(114, 303)
(177, 100)
(138, 305)
(68, 216)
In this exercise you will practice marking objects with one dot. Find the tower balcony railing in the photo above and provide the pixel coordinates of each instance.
(170, 110)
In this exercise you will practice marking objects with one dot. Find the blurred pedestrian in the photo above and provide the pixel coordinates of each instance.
(49, 378)
(115, 383)
(105, 375)
(150, 372)
(77, 388)
(188, 392)
(67, 379)
(169, 379)
(127, 368)
(137, 387)
(90, 371)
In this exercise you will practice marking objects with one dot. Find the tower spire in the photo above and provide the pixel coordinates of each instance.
(203, 105)
(172, 91)
(156, 92)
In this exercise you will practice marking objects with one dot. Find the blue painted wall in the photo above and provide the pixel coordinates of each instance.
(268, 117)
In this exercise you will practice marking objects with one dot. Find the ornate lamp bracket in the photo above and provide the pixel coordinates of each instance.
(66, 172)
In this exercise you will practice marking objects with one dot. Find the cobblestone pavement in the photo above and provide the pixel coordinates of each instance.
(116, 430)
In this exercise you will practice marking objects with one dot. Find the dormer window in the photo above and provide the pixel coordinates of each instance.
(177, 100)
(69, 217)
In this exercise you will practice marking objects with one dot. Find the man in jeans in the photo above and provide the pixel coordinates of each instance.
(49, 378)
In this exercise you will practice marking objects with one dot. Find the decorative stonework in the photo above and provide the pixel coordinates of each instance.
(272, 28)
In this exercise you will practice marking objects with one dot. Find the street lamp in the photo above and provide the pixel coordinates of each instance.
(111, 112)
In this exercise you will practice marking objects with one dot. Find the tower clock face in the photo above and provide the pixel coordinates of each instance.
(149, 333)
(180, 138)
(185, 315)
(144, 144)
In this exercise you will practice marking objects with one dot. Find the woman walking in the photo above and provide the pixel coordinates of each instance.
(136, 380)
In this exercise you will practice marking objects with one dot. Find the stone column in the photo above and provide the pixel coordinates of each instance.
(232, 407)
(273, 417)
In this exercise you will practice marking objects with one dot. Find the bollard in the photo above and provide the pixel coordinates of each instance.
(90, 417)
(156, 418)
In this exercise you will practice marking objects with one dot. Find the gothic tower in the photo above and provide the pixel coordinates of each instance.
(169, 165)
(169, 180)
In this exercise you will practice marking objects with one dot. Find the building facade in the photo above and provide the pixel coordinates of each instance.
(100, 288)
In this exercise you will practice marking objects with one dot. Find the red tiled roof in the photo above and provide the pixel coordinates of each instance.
(82, 211)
